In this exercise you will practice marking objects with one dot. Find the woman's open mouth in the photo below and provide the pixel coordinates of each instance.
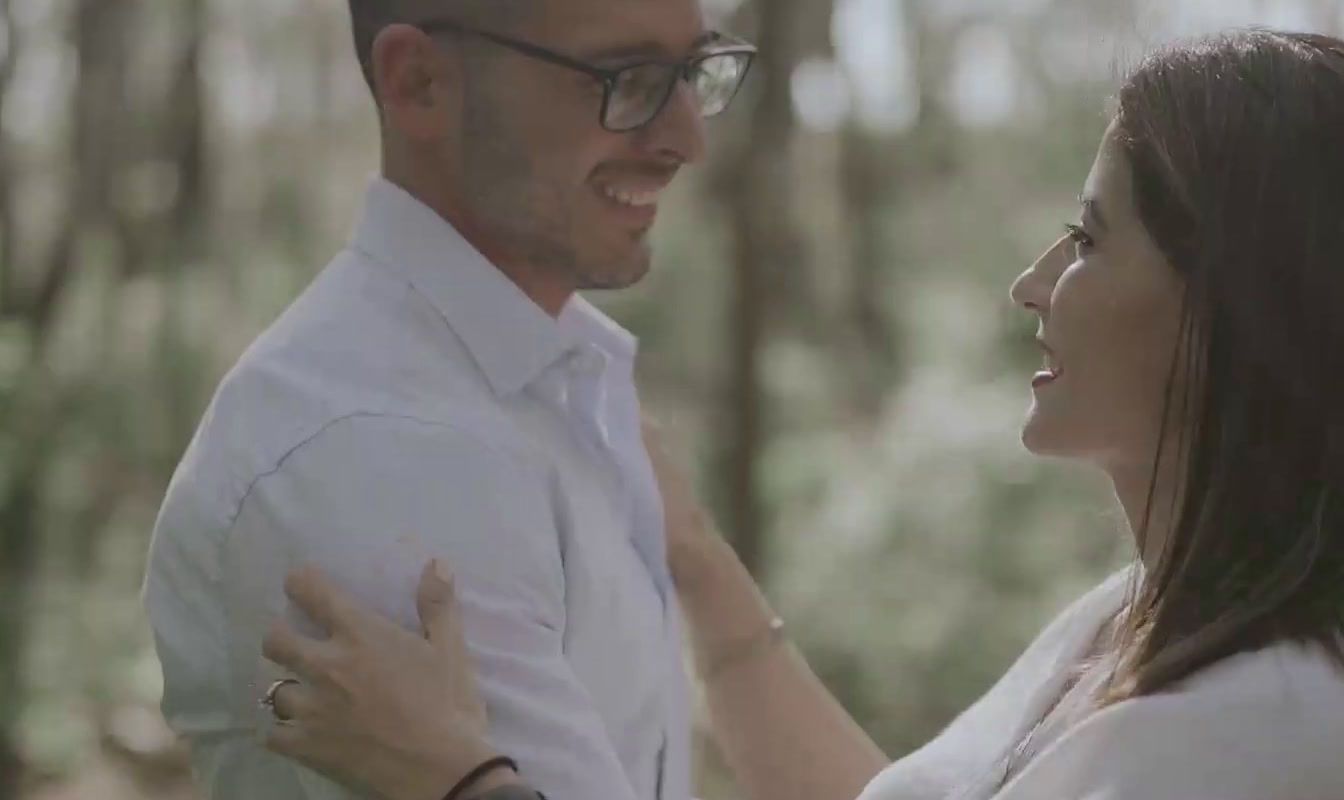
(1044, 378)
(1051, 372)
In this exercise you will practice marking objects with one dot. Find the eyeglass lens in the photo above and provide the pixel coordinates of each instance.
(640, 92)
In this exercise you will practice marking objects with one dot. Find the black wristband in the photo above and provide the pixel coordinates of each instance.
(512, 791)
(480, 772)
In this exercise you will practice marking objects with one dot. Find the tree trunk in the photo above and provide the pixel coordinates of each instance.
(874, 168)
(186, 233)
(30, 425)
(754, 181)
(16, 545)
(19, 509)
(8, 238)
(868, 183)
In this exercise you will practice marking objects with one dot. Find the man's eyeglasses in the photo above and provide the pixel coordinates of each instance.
(634, 95)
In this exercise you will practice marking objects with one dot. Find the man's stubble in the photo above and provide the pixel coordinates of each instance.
(532, 216)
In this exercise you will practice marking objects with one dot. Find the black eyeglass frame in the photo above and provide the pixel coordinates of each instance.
(610, 78)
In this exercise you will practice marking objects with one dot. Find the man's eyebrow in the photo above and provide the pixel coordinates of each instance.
(1092, 208)
(650, 49)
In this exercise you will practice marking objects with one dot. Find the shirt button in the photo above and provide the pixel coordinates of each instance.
(589, 361)
(554, 387)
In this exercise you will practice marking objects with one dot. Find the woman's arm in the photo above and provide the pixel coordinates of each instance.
(782, 732)
(784, 735)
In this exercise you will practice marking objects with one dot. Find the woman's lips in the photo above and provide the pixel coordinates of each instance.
(1051, 372)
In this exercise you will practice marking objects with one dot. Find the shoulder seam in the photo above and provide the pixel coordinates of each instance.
(329, 424)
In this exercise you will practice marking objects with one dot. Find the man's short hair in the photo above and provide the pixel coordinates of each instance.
(368, 17)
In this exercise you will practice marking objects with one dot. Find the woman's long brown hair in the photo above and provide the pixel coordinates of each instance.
(1236, 145)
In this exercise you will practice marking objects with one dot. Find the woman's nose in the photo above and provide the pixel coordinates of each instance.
(1033, 288)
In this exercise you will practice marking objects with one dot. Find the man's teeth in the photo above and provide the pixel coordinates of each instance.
(630, 198)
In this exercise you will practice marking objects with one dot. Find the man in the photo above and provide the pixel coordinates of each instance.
(440, 391)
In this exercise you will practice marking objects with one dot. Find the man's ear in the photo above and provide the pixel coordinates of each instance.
(414, 81)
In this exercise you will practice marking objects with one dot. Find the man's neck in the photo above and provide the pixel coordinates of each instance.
(541, 286)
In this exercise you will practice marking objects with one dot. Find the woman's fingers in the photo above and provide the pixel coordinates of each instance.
(291, 650)
(295, 741)
(432, 597)
(651, 429)
(316, 595)
(441, 617)
(439, 613)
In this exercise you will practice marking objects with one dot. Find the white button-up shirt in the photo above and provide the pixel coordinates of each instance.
(413, 403)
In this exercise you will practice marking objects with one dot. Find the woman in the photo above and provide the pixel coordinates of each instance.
(1193, 329)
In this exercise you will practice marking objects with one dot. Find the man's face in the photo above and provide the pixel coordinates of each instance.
(541, 182)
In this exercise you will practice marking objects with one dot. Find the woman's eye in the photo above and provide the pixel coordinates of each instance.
(1081, 238)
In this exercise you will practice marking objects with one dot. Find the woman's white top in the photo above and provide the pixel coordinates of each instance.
(1267, 725)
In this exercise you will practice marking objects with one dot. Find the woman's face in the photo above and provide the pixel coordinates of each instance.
(1109, 307)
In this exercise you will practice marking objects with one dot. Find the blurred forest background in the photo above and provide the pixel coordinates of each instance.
(827, 324)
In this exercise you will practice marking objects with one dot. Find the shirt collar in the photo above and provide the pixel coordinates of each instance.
(586, 323)
(511, 339)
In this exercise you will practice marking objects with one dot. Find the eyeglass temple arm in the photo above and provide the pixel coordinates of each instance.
(527, 49)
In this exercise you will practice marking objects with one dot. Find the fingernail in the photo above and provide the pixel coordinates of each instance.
(442, 572)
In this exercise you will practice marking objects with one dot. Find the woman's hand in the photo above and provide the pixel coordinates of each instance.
(781, 731)
(694, 545)
(377, 707)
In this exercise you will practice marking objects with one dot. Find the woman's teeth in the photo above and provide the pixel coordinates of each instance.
(631, 198)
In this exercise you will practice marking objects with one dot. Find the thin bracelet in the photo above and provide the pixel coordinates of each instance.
(480, 772)
(746, 648)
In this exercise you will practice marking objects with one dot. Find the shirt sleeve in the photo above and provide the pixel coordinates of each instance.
(370, 500)
(1182, 747)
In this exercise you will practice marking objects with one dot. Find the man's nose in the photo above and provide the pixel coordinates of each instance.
(679, 129)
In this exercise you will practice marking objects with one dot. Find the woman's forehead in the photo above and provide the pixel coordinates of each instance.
(1109, 184)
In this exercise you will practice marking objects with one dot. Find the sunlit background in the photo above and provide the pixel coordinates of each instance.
(827, 328)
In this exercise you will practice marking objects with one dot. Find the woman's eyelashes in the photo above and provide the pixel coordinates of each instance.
(1082, 240)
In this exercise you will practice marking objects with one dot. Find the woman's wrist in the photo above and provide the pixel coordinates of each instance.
(693, 544)
(449, 774)
(490, 781)
(725, 611)
(704, 571)
(729, 656)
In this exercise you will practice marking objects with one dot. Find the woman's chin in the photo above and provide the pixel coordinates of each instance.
(1043, 439)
